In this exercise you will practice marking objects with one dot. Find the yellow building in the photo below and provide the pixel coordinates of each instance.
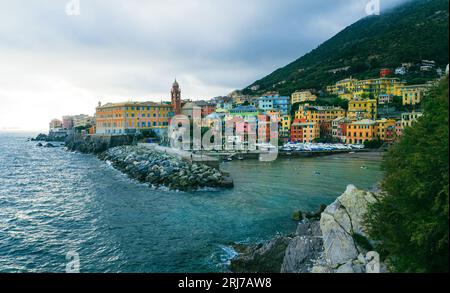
(350, 88)
(413, 94)
(361, 131)
(286, 122)
(55, 124)
(318, 114)
(302, 96)
(362, 109)
(385, 129)
(379, 86)
(408, 119)
(345, 89)
(130, 117)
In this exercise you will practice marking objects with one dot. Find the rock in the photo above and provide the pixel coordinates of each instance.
(309, 228)
(346, 268)
(267, 258)
(339, 246)
(342, 225)
(297, 216)
(321, 270)
(316, 215)
(356, 203)
(300, 253)
(157, 169)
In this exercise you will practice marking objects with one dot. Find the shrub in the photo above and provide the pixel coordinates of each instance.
(411, 221)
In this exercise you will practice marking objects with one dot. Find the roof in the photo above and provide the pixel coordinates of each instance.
(364, 122)
(133, 104)
(215, 116)
(244, 109)
(303, 123)
(274, 98)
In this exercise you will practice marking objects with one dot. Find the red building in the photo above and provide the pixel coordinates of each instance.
(385, 72)
(206, 107)
(297, 131)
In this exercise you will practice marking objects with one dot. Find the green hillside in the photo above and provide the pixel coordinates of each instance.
(411, 32)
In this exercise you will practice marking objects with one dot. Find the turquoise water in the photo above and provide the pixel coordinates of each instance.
(53, 202)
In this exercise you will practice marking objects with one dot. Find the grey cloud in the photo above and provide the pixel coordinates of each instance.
(120, 49)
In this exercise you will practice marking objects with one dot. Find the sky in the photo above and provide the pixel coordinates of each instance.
(58, 60)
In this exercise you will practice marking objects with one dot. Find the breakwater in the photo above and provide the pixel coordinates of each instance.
(161, 169)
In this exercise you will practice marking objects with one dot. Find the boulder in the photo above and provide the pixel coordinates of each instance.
(266, 258)
(342, 224)
(300, 254)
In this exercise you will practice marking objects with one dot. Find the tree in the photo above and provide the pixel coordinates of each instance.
(411, 220)
(373, 144)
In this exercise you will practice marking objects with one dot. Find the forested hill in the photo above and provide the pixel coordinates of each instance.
(411, 32)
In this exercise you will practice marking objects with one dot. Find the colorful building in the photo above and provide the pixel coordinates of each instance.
(83, 120)
(385, 72)
(339, 129)
(350, 88)
(413, 94)
(318, 114)
(131, 117)
(408, 119)
(244, 111)
(359, 132)
(278, 103)
(385, 130)
(67, 122)
(343, 88)
(303, 96)
(285, 127)
(362, 109)
(207, 108)
(55, 125)
(305, 132)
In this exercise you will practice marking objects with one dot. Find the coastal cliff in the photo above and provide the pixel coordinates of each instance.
(337, 243)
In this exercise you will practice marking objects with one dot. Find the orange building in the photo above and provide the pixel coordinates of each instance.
(130, 117)
(304, 131)
(361, 131)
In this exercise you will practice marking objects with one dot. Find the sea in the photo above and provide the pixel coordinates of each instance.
(58, 206)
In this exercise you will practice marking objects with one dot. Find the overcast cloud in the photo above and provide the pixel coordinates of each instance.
(52, 64)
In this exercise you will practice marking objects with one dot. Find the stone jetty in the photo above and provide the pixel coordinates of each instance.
(160, 169)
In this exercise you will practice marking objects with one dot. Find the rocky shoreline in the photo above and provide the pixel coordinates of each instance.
(160, 169)
(335, 243)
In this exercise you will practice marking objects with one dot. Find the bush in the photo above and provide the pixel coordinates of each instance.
(373, 144)
(411, 220)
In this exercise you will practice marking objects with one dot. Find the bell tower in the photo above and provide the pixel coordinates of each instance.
(176, 98)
